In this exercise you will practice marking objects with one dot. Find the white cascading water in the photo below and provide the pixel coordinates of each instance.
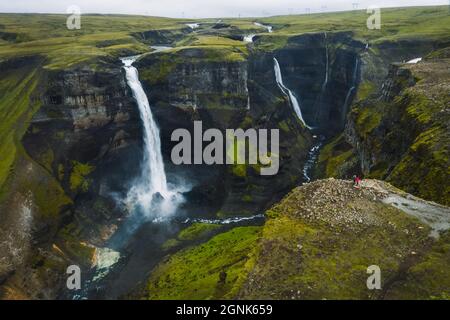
(286, 91)
(249, 38)
(325, 82)
(350, 91)
(267, 27)
(152, 185)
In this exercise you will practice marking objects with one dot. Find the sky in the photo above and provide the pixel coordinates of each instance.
(204, 8)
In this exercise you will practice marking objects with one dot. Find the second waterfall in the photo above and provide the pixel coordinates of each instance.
(288, 93)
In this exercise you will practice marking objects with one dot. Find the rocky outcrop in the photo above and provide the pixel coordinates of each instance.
(317, 243)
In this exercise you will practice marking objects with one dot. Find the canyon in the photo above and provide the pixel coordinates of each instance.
(87, 178)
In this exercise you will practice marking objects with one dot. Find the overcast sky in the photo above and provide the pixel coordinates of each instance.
(202, 8)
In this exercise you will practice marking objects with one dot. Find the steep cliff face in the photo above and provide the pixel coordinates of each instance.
(81, 145)
(323, 71)
(397, 127)
(403, 137)
(86, 117)
(226, 90)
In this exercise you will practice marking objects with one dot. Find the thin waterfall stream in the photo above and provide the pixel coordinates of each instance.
(288, 93)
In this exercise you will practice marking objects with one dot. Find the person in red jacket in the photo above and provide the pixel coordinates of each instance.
(356, 181)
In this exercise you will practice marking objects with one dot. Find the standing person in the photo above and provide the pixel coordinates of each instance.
(356, 181)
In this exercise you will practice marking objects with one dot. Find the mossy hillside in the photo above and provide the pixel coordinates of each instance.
(336, 159)
(322, 251)
(407, 135)
(424, 169)
(195, 232)
(19, 88)
(23, 182)
(78, 180)
(317, 243)
(17, 106)
(213, 270)
(429, 277)
(101, 37)
(67, 52)
(397, 23)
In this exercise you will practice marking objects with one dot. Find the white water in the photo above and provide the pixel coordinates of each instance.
(249, 38)
(327, 63)
(160, 48)
(415, 60)
(312, 157)
(224, 221)
(151, 192)
(267, 27)
(105, 259)
(350, 90)
(193, 25)
(286, 91)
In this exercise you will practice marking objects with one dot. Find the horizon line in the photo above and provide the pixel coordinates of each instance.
(229, 17)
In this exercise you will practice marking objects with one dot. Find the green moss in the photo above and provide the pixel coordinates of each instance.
(334, 158)
(213, 270)
(197, 230)
(429, 277)
(367, 119)
(419, 107)
(239, 170)
(424, 169)
(313, 259)
(365, 89)
(171, 243)
(46, 159)
(16, 109)
(78, 181)
(284, 126)
(398, 24)
(71, 245)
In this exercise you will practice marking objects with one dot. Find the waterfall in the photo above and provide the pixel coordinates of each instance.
(287, 92)
(193, 25)
(319, 100)
(151, 192)
(249, 38)
(327, 63)
(350, 91)
(267, 27)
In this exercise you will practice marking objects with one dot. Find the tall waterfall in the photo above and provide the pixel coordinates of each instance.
(286, 91)
(350, 91)
(325, 81)
(151, 189)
